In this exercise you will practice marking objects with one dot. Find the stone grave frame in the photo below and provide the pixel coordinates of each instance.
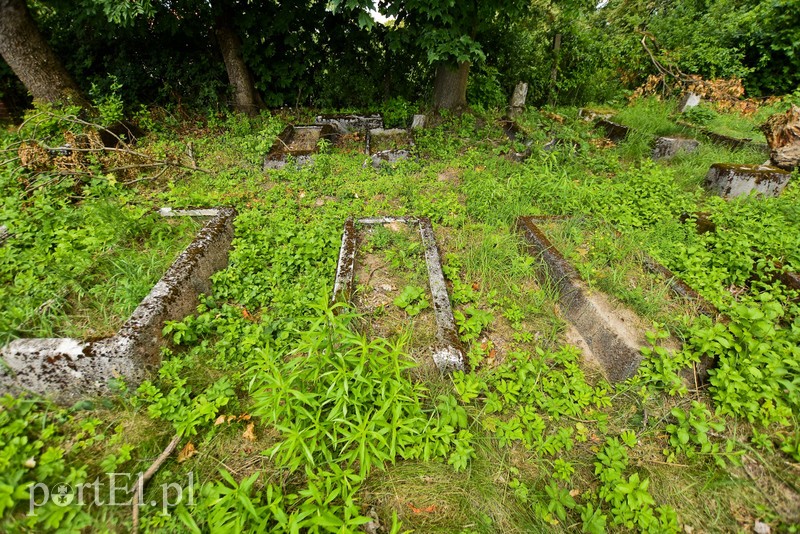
(614, 342)
(68, 369)
(448, 353)
(703, 225)
(286, 144)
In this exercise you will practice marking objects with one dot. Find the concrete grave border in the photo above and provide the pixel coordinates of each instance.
(734, 143)
(514, 132)
(607, 335)
(448, 353)
(276, 157)
(703, 225)
(614, 131)
(68, 369)
(350, 122)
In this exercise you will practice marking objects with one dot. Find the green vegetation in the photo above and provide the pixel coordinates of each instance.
(296, 415)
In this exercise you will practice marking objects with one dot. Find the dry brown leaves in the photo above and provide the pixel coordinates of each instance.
(187, 452)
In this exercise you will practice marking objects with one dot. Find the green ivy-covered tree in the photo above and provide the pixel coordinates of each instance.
(449, 32)
(29, 55)
(221, 14)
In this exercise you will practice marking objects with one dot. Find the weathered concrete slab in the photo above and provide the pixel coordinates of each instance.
(729, 181)
(613, 131)
(667, 147)
(681, 288)
(299, 142)
(612, 332)
(448, 354)
(388, 146)
(381, 139)
(351, 122)
(67, 369)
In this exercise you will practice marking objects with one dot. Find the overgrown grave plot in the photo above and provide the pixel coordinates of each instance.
(661, 146)
(67, 369)
(352, 129)
(382, 275)
(298, 143)
(94, 276)
(518, 137)
(389, 145)
(610, 322)
(775, 270)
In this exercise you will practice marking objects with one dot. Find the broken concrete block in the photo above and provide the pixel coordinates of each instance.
(731, 181)
(614, 131)
(3, 234)
(689, 101)
(67, 369)
(348, 123)
(667, 147)
(418, 122)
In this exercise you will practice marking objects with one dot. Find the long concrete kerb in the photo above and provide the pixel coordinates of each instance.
(609, 330)
(448, 353)
(67, 369)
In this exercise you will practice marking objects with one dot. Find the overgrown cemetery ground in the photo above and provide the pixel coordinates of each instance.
(294, 413)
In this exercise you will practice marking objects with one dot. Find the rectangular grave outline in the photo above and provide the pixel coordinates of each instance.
(278, 152)
(703, 224)
(448, 353)
(68, 369)
(572, 296)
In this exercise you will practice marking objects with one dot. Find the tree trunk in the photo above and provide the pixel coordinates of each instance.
(551, 94)
(450, 86)
(782, 131)
(32, 59)
(245, 96)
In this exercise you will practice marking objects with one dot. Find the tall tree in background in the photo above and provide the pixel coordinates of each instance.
(246, 98)
(449, 32)
(31, 58)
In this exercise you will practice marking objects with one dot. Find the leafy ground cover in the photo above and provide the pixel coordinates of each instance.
(296, 418)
